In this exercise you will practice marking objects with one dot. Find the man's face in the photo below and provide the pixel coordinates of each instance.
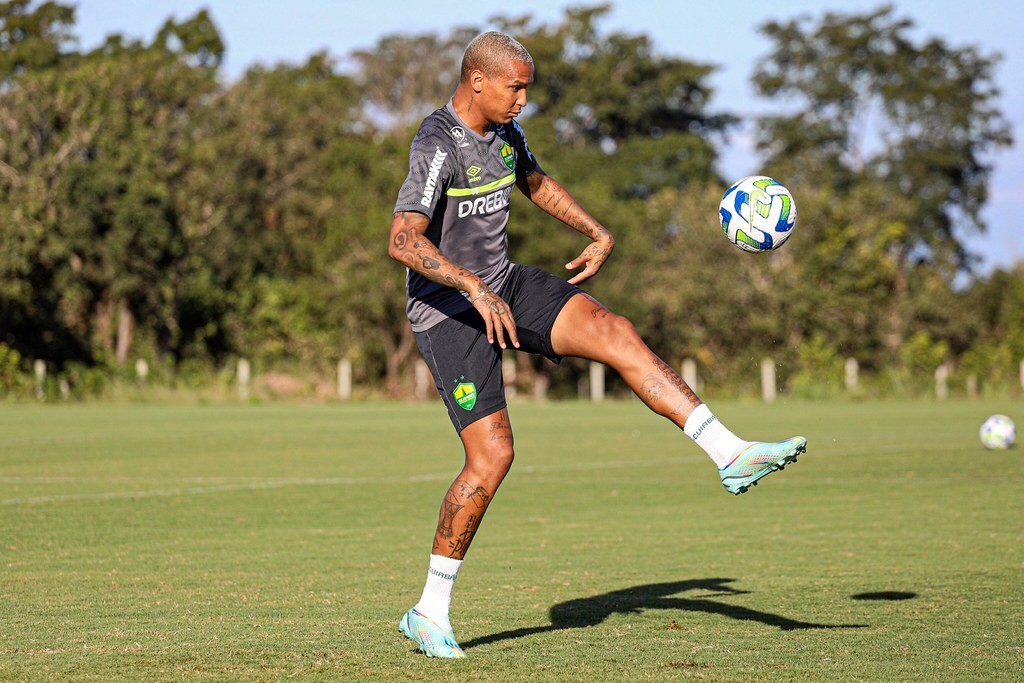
(503, 97)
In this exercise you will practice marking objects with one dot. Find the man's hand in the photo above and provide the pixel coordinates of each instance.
(549, 195)
(593, 257)
(497, 316)
(410, 247)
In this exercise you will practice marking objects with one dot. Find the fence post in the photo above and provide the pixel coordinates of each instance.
(344, 379)
(142, 370)
(596, 381)
(244, 374)
(852, 374)
(422, 377)
(690, 373)
(508, 374)
(942, 381)
(972, 386)
(40, 369)
(768, 389)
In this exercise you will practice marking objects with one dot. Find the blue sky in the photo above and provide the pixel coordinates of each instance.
(725, 34)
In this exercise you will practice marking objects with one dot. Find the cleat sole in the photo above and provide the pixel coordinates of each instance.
(773, 467)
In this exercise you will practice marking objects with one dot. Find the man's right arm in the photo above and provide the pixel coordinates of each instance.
(410, 246)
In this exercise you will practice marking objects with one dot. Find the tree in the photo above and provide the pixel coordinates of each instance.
(405, 77)
(95, 205)
(873, 108)
(32, 40)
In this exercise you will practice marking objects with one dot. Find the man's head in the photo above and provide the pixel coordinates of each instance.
(496, 69)
(493, 54)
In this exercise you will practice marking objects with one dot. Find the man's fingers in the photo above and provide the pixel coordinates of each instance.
(513, 334)
(497, 318)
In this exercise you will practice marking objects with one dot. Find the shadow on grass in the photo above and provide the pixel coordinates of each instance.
(584, 612)
(888, 596)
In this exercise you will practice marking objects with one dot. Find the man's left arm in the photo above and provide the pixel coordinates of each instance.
(549, 195)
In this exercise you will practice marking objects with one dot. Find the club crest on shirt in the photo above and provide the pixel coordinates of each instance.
(507, 156)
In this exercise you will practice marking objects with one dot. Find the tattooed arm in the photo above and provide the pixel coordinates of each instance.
(410, 246)
(549, 195)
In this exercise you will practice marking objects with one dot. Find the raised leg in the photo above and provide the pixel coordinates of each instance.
(586, 329)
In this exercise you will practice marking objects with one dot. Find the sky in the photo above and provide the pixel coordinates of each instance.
(269, 32)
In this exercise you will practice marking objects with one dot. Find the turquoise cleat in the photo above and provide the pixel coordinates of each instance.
(431, 638)
(757, 461)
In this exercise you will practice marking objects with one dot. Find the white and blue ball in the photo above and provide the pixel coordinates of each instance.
(757, 213)
(998, 433)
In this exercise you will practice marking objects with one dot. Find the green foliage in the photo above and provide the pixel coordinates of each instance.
(32, 39)
(819, 368)
(152, 210)
(14, 381)
(920, 357)
(937, 120)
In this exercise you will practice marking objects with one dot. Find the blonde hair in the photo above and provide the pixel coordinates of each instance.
(493, 53)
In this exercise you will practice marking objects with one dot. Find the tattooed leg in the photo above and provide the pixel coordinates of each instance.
(586, 329)
(489, 455)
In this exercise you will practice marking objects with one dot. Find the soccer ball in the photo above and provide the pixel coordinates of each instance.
(758, 213)
(998, 433)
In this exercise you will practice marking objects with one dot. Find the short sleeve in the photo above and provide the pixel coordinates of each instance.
(526, 163)
(430, 175)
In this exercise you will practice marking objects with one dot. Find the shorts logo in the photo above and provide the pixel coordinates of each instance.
(507, 156)
(465, 395)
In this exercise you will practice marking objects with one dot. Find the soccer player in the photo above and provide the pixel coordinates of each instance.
(467, 303)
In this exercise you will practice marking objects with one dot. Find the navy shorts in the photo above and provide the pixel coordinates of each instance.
(466, 369)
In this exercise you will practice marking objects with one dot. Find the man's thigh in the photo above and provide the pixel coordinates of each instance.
(466, 369)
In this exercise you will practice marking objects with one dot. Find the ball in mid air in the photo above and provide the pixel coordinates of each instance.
(757, 213)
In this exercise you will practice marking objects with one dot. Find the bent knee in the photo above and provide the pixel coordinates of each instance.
(619, 336)
(491, 461)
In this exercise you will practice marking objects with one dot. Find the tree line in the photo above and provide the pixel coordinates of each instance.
(152, 210)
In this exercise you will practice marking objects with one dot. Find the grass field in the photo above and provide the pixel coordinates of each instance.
(283, 542)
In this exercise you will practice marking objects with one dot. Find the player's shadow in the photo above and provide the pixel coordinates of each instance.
(584, 612)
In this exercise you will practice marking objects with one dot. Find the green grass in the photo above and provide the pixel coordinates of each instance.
(283, 542)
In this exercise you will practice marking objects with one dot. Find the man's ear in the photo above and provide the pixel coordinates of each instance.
(476, 80)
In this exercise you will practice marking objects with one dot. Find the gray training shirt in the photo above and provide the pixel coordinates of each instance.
(462, 182)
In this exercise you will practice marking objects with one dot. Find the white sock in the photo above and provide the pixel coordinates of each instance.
(437, 593)
(708, 432)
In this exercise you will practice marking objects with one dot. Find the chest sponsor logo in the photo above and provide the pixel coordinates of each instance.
(433, 175)
(508, 156)
(486, 204)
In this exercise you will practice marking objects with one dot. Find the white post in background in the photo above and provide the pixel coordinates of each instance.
(244, 374)
(596, 381)
(40, 369)
(142, 370)
(768, 391)
(421, 374)
(852, 374)
(942, 382)
(508, 374)
(690, 373)
(344, 379)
